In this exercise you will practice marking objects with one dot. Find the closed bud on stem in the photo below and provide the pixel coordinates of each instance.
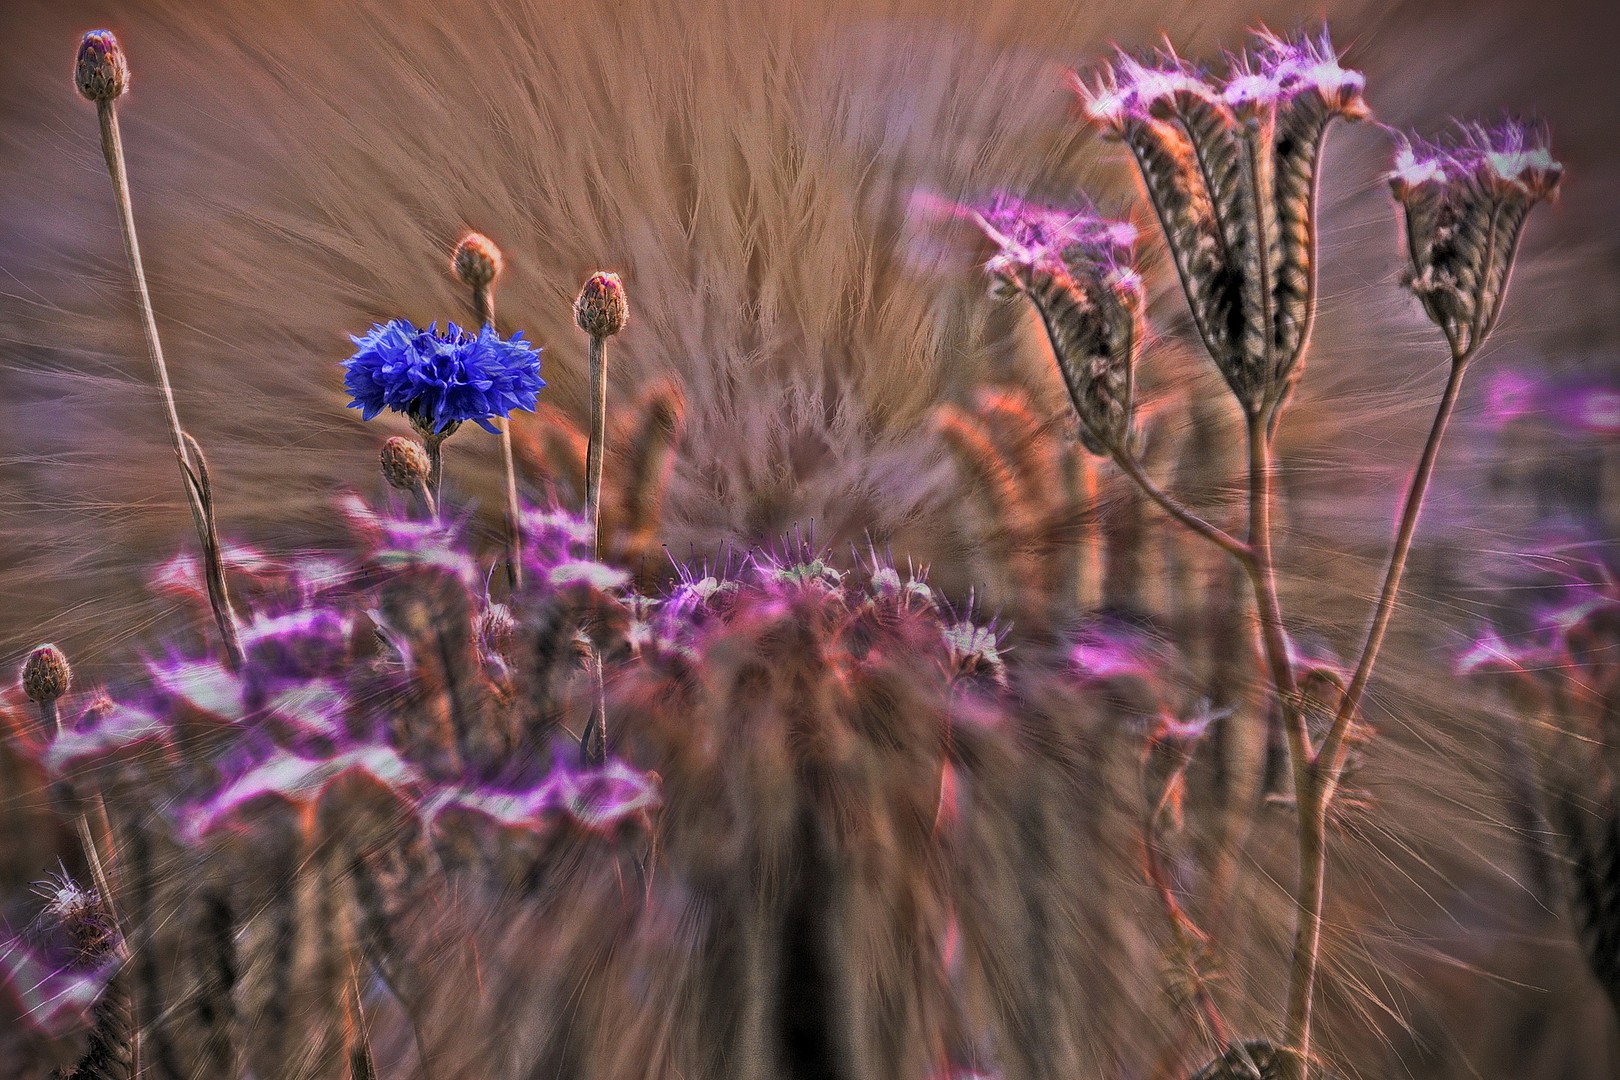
(102, 72)
(1465, 202)
(477, 261)
(405, 463)
(602, 309)
(46, 675)
(1076, 269)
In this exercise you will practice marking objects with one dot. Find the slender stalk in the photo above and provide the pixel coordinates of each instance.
(1214, 534)
(428, 501)
(595, 736)
(1262, 576)
(193, 474)
(1188, 937)
(1311, 842)
(81, 825)
(483, 297)
(598, 441)
(434, 444)
(1330, 761)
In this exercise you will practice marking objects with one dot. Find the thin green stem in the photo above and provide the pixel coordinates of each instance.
(1330, 761)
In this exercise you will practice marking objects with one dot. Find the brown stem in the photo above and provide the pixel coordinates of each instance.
(1215, 535)
(193, 473)
(595, 737)
(1308, 897)
(434, 444)
(595, 448)
(1330, 761)
(483, 298)
(1188, 937)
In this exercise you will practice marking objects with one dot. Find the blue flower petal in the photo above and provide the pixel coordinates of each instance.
(444, 378)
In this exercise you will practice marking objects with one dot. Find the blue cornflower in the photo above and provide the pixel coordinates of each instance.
(440, 380)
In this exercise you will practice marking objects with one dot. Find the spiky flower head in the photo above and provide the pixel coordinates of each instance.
(1076, 268)
(101, 71)
(81, 917)
(602, 308)
(477, 261)
(46, 675)
(1466, 199)
(405, 464)
(439, 380)
(1230, 167)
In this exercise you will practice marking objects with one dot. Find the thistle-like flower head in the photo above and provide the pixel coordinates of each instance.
(440, 379)
(1466, 199)
(100, 70)
(1231, 171)
(1077, 269)
(46, 674)
(602, 309)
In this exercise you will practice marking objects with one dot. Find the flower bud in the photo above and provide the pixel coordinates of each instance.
(405, 464)
(477, 261)
(102, 72)
(602, 309)
(46, 675)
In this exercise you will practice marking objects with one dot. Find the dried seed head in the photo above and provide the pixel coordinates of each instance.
(46, 675)
(1466, 200)
(477, 261)
(405, 464)
(102, 72)
(602, 309)
(1230, 170)
(1076, 269)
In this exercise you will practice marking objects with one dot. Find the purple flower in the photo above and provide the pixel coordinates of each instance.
(440, 380)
